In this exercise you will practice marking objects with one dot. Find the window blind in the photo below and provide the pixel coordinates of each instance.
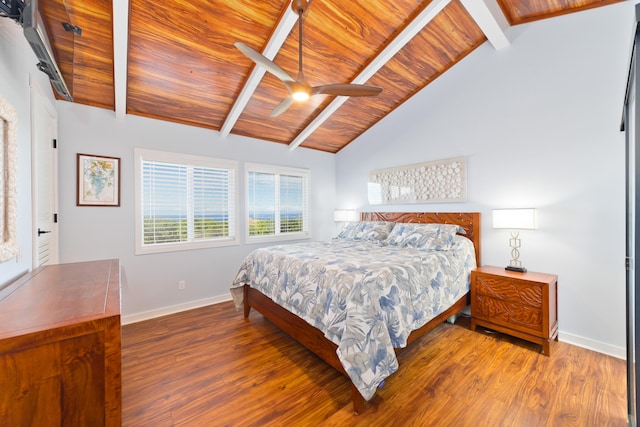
(184, 203)
(292, 206)
(277, 201)
(262, 203)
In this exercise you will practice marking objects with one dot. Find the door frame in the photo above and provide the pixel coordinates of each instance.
(39, 97)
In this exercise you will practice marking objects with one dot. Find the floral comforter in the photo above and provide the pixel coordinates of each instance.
(365, 297)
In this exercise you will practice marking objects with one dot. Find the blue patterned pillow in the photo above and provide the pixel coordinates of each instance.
(374, 230)
(348, 231)
(366, 230)
(424, 236)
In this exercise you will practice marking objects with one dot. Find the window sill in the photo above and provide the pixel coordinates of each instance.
(277, 238)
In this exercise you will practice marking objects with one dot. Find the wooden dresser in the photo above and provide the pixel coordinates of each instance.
(524, 305)
(60, 346)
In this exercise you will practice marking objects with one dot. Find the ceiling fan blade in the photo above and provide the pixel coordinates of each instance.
(282, 107)
(299, 89)
(263, 61)
(346, 90)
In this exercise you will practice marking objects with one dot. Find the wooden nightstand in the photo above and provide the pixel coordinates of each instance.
(524, 305)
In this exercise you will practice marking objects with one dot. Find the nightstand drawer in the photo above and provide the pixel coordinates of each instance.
(509, 290)
(508, 313)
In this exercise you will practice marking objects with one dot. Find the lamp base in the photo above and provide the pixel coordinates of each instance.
(517, 269)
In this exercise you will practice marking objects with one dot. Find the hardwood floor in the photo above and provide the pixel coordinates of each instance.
(210, 367)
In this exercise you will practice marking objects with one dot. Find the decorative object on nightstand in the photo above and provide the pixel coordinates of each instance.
(524, 305)
(515, 219)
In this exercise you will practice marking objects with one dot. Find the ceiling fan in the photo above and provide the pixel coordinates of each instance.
(299, 89)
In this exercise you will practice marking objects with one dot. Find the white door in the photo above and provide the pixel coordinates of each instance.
(44, 167)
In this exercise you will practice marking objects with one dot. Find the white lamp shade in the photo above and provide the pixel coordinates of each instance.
(524, 219)
(345, 216)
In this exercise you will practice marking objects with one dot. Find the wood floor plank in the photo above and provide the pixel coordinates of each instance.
(212, 367)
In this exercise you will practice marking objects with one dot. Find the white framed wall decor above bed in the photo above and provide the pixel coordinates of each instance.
(429, 182)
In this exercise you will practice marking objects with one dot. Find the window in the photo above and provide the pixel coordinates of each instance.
(184, 202)
(277, 203)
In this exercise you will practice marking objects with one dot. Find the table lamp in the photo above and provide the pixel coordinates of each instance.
(515, 220)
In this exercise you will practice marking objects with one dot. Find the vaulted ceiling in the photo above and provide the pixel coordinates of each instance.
(181, 64)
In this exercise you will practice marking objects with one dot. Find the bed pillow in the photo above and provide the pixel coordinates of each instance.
(366, 230)
(348, 231)
(424, 236)
(375, 230)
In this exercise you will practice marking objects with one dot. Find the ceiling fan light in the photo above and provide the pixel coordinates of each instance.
(300, 96)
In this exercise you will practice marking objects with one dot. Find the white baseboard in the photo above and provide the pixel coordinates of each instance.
(600, 347)
(152, 314)
(610, 350)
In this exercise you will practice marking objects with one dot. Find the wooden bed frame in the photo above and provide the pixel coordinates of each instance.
(315, 340)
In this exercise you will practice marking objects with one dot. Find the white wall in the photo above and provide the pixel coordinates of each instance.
(150, 282)
(539, 124)
(17, 66)
(537, 121)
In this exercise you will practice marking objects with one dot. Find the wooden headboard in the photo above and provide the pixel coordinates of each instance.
(469, 221)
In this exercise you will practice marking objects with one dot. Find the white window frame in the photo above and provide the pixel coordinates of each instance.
(141, 155)
(279, 170)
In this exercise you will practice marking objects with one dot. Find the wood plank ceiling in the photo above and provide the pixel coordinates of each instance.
(182, 66)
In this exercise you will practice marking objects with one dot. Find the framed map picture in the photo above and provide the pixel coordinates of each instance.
(98, 180)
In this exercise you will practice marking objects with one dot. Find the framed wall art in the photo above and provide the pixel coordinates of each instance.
(98, 180)
(8, 170)
(437, 181)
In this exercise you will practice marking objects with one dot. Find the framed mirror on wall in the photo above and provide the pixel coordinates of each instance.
(8, 197)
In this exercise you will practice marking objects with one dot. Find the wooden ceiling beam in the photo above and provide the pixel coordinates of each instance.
(274, 44)
(398, 43)
(490, 19)
(120, 49)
